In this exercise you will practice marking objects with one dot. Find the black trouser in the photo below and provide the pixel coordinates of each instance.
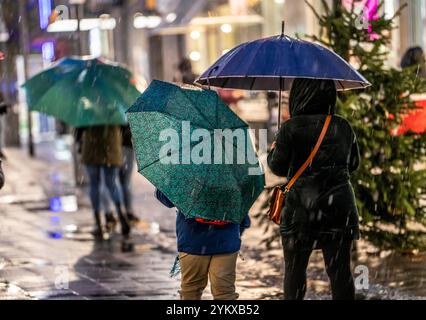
(337, 258)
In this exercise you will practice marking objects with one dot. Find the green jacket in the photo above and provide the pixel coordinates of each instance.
(101, 145)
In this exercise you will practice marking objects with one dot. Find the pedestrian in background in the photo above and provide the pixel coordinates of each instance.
(125, 180)
(2, 180)
(105, 201)
(110, 220)
(415, 56)
(206, 250)
(3, 110)
(102, 154)
(125, 173)
(320, 210)
(184, 72)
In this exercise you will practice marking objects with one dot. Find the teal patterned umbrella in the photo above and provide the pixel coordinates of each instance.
(194, 149)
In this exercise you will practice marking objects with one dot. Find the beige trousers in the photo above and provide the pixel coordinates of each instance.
(196, 270)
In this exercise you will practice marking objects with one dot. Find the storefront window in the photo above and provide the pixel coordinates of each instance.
(220, 28)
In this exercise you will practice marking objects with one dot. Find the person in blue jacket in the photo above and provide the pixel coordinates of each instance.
(206, 251)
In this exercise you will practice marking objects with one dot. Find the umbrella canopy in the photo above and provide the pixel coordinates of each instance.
(272, 63)
(83, 92)
(181, 139)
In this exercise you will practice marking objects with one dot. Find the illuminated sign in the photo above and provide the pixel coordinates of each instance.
(44, 9)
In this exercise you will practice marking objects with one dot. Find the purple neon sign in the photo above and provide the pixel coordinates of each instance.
(44, 10)
(367, 12)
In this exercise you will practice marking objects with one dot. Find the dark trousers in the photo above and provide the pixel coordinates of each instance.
(125, 176)
(337, 258)
(110, 175)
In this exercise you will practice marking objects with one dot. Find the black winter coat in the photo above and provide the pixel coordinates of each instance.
(321, 204)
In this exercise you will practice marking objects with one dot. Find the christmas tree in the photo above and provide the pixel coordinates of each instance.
(390, 184)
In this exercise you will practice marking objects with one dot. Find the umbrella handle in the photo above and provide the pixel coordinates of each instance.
(279, 104)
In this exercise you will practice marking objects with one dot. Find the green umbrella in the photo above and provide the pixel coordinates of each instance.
(82, 92)
(183, 148)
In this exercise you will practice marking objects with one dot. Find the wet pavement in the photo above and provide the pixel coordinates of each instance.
(51, 255)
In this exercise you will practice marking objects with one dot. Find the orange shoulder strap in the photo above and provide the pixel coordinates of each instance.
(311, 156)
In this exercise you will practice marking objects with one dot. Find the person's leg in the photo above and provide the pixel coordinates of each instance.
(222, 276)
(111, 222)
(337, 258)
(194, 275)
(112, 185)
(296, 262)
(110, 175)
(2, 131)
(125, 176)
(105, 198)
(94, 181)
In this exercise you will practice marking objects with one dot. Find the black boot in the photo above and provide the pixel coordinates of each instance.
(2, 155)
(111, 222)
(97, 232)
(125, 226)
(132, 218)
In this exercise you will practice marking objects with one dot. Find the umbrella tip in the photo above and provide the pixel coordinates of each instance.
(282, 28)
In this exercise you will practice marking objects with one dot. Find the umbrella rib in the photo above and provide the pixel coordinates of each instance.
(237, 180)
(194, 124)
(217, 111)
(249, 59)
(175, 117)
(359, 84)
(252, 83)
(61, 116)
(224, 83)
(192, 143)
(72, 74)
(252, 59)
(198, 126)
(196, 107)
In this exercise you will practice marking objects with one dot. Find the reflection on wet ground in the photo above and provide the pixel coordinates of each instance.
(47, 254)
(36, 265)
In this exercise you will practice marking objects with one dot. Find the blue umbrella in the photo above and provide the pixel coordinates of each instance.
(273, 63)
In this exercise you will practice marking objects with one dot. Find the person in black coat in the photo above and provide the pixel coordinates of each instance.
(320, 210)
